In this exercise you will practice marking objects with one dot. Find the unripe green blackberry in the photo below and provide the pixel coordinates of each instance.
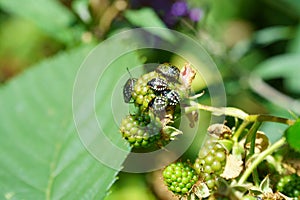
(141, 130)
(142, 94)
(179, 177)
(290, 185)
(210, 163)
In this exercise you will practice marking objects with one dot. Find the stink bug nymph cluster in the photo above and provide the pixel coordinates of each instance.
(165, 96)
(161, 95)
(155, 98)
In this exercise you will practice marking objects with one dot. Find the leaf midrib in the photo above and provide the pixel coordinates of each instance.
(53, 165)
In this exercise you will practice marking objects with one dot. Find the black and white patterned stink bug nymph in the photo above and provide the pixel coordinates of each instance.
(158, 104)
(158, 84)
(172, 97)
(128, 89)
(169, 71)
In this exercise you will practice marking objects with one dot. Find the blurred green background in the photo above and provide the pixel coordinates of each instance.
(255, 44)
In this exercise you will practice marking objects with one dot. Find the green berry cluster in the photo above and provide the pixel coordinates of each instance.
(142, 94)
(210, 163)
(290, 185)
(180, 177)
(141, 130)
(155, 96)
(208, 166)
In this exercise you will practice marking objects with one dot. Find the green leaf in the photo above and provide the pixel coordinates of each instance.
(81, 7)
(41, 154)
(292, 135)
(294, 45)
(272, 34)
(279, 66)
(282, 66)
(293, 6)
(289, 7)
(146, 17)
(49, 15)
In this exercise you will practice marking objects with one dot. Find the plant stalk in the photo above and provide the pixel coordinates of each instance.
(238, 113)
(240, 130)
(260, 158)
(252, 138)
(228, 111)
(270, 118)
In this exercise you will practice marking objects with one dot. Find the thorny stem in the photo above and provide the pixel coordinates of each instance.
(260, 158)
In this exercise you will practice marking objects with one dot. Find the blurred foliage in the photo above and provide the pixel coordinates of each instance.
(18, 52)
(134, 187)
(255, 44)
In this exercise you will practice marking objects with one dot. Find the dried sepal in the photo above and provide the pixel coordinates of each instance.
(233, 167)
(261, 142)
(187, 75)
(201, 190)
(219, 130)
(171, 132)
(265, 185)
(192, 117)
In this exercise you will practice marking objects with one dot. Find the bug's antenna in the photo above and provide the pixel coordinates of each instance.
(129, 72)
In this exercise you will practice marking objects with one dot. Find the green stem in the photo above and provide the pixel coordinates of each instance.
(238, 113)
(269, 118)
(260, 158)
(255, 177)
(252, 136)
(228, 111)
(247, 119)
(240, 130)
